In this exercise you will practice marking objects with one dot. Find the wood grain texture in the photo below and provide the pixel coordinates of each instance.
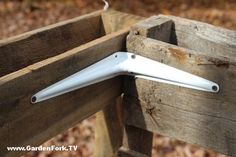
(138, 139)
(115, 20)
(202, 37)
(31, 47)
(196, 117)
(109, 126)
(109, 129)
(154, 27)
(34, 124)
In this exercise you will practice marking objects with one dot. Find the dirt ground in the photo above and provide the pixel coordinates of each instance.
(18, 16)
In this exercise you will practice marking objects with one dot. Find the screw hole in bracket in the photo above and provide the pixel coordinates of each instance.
(214, 88)
(33, 99)
(133, 56)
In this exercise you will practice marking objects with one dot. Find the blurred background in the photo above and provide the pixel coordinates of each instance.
(18, 16)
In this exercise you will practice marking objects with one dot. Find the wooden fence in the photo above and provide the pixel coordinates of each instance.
(128, 110)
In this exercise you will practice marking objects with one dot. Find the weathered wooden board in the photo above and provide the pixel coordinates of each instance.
(114, 20)
(202, 37)
(31, 47)
(154, 27)
(50, 118)
(197, 117)
(34, 124)
(109, 130)
(137, 139)
(134, 138)
(28, 48)
(109, 126)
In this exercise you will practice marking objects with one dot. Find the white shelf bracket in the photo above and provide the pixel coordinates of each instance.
(125, 63)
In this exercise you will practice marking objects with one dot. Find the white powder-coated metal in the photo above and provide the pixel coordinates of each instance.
(125, 63)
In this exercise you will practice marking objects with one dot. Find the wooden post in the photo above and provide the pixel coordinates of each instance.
(138, 139)
(109, 127)
(54, 116)
(206, 119)
(49, 60)
(197, 117)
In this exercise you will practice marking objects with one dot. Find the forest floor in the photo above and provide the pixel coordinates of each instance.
(18, 16)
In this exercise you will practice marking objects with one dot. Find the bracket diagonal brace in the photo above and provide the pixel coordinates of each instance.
(125, 63)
